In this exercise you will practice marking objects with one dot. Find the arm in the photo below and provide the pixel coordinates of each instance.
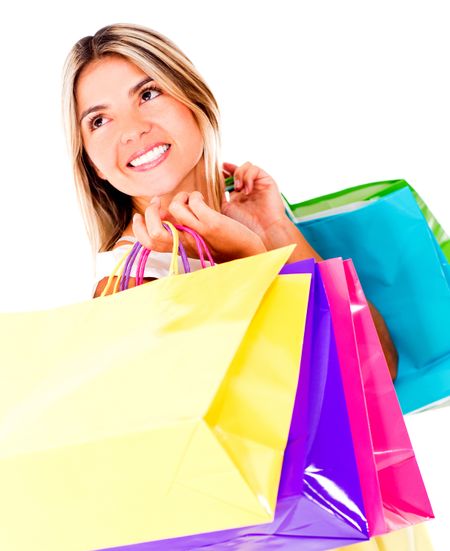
(256, 202)
(390, 352)
(284, 232)
(226, 238)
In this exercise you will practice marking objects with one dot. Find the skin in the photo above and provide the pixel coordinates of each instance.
(251, 222)
(257, 203)
(175, 189)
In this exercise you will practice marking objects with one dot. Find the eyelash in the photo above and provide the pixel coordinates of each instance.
(92, 119)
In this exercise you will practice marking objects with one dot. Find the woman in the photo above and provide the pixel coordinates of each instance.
(143, 133)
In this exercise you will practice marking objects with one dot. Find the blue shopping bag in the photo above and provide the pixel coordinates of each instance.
(407, 277)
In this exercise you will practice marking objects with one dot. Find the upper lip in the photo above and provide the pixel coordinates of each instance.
(145, 150)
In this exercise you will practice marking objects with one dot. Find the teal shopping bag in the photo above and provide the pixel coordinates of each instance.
(406, 275)
(347, 199)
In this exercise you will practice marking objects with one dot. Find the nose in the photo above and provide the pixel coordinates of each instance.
(133, 128)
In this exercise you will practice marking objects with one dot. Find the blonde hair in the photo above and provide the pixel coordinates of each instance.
(106, 210)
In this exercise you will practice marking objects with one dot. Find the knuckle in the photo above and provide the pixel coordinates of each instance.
(174, 208)
(195, 196)
(180, 196)
(144, 241)
(155, 234)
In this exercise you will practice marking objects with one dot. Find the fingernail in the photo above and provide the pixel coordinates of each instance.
(154, 200)
(237, 184)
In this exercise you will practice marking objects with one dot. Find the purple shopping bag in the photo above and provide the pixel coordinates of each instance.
(319, 502)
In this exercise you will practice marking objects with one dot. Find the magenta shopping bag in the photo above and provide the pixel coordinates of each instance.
(319, 503)
(393, 491)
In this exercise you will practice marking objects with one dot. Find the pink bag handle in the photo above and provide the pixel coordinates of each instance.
(145, 253)
(201, 245)
(202, 249)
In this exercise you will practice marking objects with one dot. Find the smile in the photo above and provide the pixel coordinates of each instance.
(150, 159)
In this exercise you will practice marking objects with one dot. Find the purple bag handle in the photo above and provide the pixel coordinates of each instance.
(146, 252)
(125, 278)
(201, 246)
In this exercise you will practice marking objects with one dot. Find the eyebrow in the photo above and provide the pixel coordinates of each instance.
(131, 93)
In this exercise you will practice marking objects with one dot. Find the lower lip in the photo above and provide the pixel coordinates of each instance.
(151, 164)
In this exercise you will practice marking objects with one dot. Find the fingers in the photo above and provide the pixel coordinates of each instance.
(149, 231)
(179, 208)
(191, 210)
(188, 209)
(228, 168)
(244, 177)
(206, 215)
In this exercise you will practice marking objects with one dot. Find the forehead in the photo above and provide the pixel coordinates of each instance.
(100, 77)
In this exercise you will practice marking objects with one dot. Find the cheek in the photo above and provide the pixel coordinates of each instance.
(186, 124)
(97, 151)
(195, 137)
(96, 161)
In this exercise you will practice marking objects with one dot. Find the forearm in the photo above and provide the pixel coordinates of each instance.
(286, 233)
(390, 352)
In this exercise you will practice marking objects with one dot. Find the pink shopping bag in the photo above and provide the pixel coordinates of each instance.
(393, 491)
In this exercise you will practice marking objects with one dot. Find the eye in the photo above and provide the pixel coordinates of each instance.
(92, 120)
(151, 88)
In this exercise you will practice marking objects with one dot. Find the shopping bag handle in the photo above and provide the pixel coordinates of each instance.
(128, 258)
(201, 247)
(126, 263)
(145, 253)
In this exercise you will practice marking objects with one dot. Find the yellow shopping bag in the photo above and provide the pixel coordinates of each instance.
(157, 412)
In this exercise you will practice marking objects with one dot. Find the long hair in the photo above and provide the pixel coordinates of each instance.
(107, 211)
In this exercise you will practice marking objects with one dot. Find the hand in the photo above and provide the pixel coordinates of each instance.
(256, 201)
(227, 239)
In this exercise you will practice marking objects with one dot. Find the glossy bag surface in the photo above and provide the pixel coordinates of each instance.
(170, 400)
(405, 274)
(392, 486)
(350, 198)
(319, 502)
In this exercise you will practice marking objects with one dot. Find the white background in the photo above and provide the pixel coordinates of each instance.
(323, 95)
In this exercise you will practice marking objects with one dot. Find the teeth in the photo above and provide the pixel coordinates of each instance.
(150, 155)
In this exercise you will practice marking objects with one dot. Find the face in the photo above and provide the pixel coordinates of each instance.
(129, 123)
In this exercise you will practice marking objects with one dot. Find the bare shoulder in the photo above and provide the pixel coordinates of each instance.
(132, 282)
(102, 284)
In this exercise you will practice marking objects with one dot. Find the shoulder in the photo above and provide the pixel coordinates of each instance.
(124, 240)
(121, 243)
(102, 284)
